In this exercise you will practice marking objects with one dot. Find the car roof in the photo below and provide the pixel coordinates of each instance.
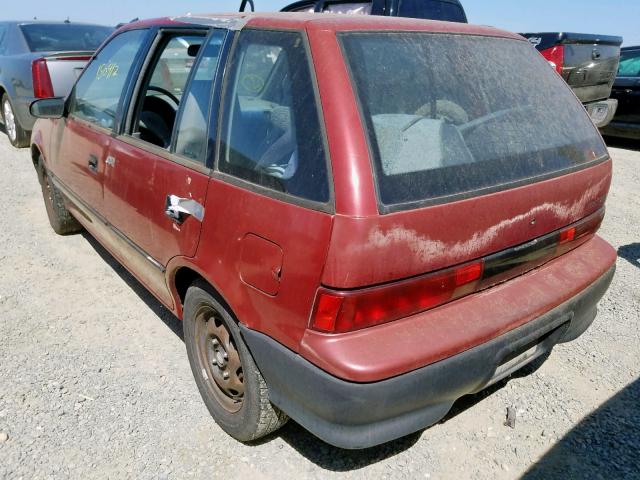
(323, 21)
(52, 22)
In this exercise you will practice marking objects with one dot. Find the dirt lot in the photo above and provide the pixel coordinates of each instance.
(95, 383)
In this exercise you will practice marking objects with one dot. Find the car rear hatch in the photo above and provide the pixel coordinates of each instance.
(484, 170)
(588, 63)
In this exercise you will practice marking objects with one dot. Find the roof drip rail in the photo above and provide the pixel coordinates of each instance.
(243, 5)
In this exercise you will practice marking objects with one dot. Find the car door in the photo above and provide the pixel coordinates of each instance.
(84, 136)
(162, 155)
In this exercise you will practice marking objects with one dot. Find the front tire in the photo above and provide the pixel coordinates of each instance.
(60, 219)
(228, 379)
(18, 137)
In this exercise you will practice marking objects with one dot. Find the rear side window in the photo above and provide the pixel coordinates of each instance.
(97, 94)
(432, 10)
(271, 133)
(629, 64)
(42, 37)
(451, 115)
(3, 39)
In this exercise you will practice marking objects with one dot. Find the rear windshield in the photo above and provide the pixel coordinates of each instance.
(64, 37)
(450, 116)
(432, 10)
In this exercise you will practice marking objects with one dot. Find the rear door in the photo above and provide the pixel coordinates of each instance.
(163, 153)
(84, 136)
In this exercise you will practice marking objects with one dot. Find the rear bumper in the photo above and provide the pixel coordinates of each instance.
(623, 130)
(602, 112)
(359, 415)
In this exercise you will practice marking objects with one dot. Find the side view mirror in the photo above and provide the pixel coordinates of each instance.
(48, 108)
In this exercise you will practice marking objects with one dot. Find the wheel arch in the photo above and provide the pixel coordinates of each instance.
(36, 153)
(182, 275)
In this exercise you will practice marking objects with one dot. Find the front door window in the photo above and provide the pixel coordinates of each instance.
(97, 94)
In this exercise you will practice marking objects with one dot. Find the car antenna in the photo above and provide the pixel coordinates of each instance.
(243, 5)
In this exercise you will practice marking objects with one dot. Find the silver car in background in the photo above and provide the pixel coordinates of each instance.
(40, 60)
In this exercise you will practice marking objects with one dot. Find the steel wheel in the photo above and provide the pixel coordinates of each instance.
(227, 377)
(9, 120)
(219, 359)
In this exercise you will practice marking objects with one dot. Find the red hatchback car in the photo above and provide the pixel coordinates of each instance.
(359, 219)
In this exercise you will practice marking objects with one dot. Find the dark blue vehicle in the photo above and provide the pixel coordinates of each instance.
(626, 90)
(445, 10)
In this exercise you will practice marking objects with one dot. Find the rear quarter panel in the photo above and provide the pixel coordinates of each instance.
(231, 214)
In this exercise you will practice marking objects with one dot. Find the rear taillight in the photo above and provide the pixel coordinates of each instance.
(42, 86)
(555, 56)
(344, 311)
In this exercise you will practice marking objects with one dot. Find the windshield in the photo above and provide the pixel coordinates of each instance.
(432, 10)
(64, 37)
(454, 115)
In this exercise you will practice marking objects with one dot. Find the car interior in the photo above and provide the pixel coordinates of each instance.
(164, 88)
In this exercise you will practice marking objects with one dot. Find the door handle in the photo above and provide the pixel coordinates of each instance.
(178, 209)
(93, 163)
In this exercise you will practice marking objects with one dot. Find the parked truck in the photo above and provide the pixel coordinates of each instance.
(588, 63)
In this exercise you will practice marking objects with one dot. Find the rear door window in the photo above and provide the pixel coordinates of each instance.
(432, 10)
(271, 133)
(98, 92)
(3, 38)
(449, 116)
(43, 37)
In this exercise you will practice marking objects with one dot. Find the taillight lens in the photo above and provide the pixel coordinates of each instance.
(555, 56)
(344, 311)
(42, 86)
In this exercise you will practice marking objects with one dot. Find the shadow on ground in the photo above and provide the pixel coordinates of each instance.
(624, 143)
(630, 253)
(165, 315)
(606, 444)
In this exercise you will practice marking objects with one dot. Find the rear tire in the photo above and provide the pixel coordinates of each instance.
(227, 377)
(60, 219)
(18, 137)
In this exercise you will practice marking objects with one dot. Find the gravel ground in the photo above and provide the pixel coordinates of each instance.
(95, 383)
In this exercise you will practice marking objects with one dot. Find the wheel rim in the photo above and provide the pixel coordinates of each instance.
(220, 364)
(9, 120)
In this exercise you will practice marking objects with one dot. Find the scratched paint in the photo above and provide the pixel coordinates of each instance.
(424, 247)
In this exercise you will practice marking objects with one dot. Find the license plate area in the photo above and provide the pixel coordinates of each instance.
(599, 112)
(524, 354)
